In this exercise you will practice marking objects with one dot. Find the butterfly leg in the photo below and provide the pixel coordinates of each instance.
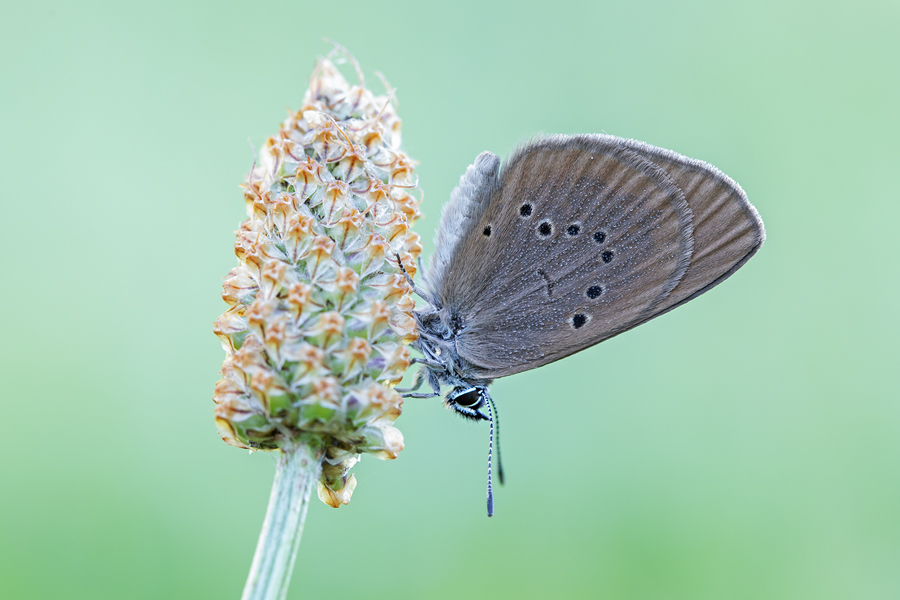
(433, 382)
(432, 364)
(418, 380)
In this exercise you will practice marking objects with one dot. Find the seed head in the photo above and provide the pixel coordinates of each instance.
(319, 313)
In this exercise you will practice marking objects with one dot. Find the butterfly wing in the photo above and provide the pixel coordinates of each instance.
(580, 238)
(577, 239)
(727, 228)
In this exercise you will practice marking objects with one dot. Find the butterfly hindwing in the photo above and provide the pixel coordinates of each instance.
(727, 228)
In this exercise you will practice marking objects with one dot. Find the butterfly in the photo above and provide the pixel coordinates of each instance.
(576, 239)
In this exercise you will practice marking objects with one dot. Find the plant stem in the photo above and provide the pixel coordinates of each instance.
(295, 476)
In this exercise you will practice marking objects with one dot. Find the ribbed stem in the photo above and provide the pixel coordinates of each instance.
(295, 476)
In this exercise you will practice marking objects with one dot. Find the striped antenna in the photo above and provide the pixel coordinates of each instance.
(492, 413)
(490, 489)
(495, 421)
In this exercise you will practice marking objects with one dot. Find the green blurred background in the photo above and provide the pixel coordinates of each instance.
(746, 445)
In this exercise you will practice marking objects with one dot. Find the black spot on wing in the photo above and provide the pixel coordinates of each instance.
(545, 228)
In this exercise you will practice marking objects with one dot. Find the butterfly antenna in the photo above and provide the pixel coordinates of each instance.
(495, 421)
(490, 488)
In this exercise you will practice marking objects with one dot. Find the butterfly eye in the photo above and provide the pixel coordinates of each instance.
(470, 398)
(594, 292)
(573, 229)
(599, 237)
(606, 255)
(545, 228)
(525, 210)
(487, 231)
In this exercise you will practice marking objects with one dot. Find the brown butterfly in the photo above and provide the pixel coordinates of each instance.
(576, 239)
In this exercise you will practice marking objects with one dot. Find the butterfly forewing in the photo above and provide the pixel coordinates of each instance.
(583, 239)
